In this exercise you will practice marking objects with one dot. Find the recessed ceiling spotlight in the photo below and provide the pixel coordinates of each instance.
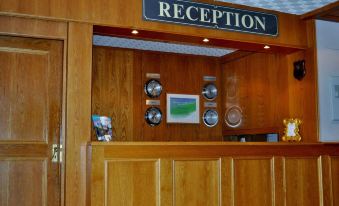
(135, 31)
(266, 47)
(206, 40)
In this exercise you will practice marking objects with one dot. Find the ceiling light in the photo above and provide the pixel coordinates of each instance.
(266, 47)
(135, 31)
(206, 40)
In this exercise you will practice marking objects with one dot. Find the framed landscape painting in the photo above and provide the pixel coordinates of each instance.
(183, 108)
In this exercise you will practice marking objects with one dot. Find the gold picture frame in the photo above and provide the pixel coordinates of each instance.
(291, 133)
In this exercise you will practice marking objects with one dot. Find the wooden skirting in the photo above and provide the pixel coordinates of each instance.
(213, 173)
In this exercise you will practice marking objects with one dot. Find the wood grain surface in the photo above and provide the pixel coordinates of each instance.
(132, 182)
(30, 120)
(119, 76)
(214, 174)
(252, 84)
(29, 27)
(335, 180)
(78, 116)
(264, 88)
(115, 13)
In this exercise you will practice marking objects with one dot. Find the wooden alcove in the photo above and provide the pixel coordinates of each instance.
(259, 81)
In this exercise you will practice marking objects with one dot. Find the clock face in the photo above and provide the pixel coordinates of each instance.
(233, 117)
(210, 117)
(153, 116)
(153, 88)
(210, 91)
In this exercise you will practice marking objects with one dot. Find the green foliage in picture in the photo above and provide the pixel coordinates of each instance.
(182, 106)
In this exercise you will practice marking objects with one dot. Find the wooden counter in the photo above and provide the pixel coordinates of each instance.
(213, 173)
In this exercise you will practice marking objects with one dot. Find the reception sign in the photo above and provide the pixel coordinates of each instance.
(210, 16)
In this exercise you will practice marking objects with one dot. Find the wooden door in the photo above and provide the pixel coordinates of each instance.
(30, 120)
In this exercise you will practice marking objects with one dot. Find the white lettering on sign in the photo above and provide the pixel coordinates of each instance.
(205, 15)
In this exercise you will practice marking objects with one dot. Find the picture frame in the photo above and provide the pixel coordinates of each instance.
(182, 108)
(291, 133)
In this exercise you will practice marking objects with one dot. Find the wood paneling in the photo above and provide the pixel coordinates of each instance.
(78, 118)
(252, 83)
(253, 178)
(302, 96)
(335, 179)
(132, 182)
(196, 182)
(32, 28)
(24, 114)
(329, 12)
(30, 118)
(113, 89)
(212, 174)
(23, 182)
(118, 91)
(116, 13)
(264, 87)
(302, 184)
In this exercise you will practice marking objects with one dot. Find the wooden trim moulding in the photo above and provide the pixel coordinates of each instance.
(320, 12)
(213, 149)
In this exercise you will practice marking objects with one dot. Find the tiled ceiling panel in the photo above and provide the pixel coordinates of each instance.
(158, 46)
(286, 6)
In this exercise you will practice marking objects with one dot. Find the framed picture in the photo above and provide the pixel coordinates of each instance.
(291, 133)
(183, 109)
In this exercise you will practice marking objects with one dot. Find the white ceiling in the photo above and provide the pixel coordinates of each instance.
(159, 46)
(286, 6)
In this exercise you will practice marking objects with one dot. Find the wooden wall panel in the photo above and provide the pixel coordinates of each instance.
(252, 83)
(23, 182)
(113, 89)
(196, 182)
(214, 174)
(115, 13)
(29, 27)
(118, 91)
(253, 181)
(132, 182)
(180, 74)
(302, 183)
(335, 179)
(264, 87)
(302, 96)
(78, 118)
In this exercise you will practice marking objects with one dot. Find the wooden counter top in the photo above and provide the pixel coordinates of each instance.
(215, 149)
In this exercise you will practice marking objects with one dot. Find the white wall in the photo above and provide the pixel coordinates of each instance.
(328, 76)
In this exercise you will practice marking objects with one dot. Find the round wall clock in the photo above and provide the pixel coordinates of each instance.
(153, 88)
(233, 117)
(210, 117)
(210, 91)
(153, 116)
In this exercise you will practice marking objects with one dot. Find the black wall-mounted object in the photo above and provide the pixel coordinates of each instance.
(299, 69)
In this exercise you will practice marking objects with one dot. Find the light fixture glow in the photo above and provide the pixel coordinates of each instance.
(206, 40)
(135, 31)
(266, 47)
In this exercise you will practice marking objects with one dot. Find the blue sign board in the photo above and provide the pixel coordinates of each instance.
(210, 16)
